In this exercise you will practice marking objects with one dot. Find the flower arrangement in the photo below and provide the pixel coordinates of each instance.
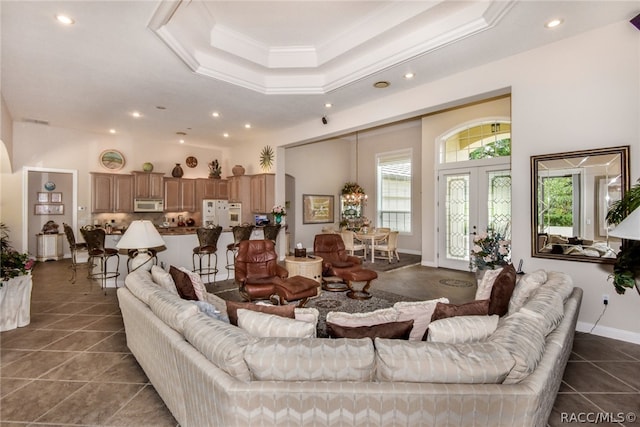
(352, 188)
(214, 169)
(279, 210)
(490, 250)
(13, 262)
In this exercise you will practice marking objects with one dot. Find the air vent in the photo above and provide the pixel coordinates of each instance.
(36, 121)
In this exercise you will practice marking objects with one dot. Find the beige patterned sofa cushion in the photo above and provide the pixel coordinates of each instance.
(546, 307)
(462, 329)
(172, 309)
(269, 325)
(164, 279)
(411, 361)
(141, 285)
(525, 287)
(418, 311)
(301, 359)
(383, 315)
(561, 282)
(221, 343)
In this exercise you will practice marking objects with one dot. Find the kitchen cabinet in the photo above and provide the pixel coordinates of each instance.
(207, 188)
(179, 195)
(111, 193)
(148, 185)
(262, 192)
(240, 192)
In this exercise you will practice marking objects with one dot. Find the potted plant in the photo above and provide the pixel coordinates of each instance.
(13, 263)
(626, 269)
(214, 169)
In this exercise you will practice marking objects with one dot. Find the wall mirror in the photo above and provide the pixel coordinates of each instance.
(571, 194)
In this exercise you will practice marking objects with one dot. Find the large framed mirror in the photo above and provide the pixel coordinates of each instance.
(571, 194)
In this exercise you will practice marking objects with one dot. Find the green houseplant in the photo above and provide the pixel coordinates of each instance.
(13, 262)
(626, 269)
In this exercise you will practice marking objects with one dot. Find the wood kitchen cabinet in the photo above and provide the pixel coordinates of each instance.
(179, 195)
(111, 193)
(262, 192)
(208, 188)
(240, 190)
(148, 185)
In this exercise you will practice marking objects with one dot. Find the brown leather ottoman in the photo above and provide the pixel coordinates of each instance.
(361, 275)
(296, 288)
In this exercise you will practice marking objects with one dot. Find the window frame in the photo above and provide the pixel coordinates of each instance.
(388, 155)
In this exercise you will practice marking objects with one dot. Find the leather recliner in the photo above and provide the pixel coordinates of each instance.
(257, 271)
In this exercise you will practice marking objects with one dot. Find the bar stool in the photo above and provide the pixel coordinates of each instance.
(208, 246)
(95, 238)
(74, 247)
(271, 232)
(240, 233)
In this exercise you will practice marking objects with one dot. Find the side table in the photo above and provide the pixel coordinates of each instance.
(306, 267)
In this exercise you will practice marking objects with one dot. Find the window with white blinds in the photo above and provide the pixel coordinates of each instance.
(394, 190)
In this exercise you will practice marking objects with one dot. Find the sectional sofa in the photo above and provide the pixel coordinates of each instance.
(211, 373)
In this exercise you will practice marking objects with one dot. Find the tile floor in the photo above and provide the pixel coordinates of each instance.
(71, 366)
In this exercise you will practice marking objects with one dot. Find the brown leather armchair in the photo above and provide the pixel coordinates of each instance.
(257, 271)
(336, 262)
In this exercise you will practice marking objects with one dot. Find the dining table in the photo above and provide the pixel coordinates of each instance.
(369, 238)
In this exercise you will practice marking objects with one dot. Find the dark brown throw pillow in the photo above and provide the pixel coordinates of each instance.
(394, 330)
(473, 308)
(183, 284)
(278, 310)
(502, 290)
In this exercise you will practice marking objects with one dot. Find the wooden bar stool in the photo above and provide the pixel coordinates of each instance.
(240, 233)
(208, 247)
(95, 238)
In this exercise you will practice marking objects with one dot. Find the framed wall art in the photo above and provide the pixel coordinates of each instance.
(112, 160)
(48, 209)
(56, 197)
(43, 197)
(317, 209)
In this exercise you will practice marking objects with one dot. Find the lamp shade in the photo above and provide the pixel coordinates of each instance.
(140, 235)
(629, 228)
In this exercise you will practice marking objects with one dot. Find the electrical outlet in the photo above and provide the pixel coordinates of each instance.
(605, 299)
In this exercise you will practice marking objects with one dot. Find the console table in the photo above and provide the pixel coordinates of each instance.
(49, 246)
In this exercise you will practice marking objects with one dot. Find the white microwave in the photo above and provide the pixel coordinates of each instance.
(148, 205)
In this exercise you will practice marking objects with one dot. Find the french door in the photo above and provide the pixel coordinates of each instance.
(469, 200)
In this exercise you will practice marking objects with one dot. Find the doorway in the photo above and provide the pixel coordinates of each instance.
(470, 200)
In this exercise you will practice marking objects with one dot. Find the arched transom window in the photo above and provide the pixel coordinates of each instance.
(476, 141)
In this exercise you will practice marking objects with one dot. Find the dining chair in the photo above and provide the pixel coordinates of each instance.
(352, 244)
(389, 247)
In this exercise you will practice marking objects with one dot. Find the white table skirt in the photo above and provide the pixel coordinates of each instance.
(15, 302)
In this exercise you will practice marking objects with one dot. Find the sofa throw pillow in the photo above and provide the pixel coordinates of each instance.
(163, 279)
(211, 311)
(485, 284)
(462, 329)
(279, 310)
(307, 314)
(418, 311)
(472, 308)
(525, 287)
(269, 325)
(198, 285)
(383, 315)
(391, 330)
(183, 284)
(502, 290)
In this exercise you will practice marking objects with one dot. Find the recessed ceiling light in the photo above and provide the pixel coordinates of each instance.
(226, 135)
(215, 114)
(553, 23)
(112, 131)
(136, 114)
(247, 125)
(64, 19)
(409, 76)
(381, 84)
(328, 105)
(182, 141)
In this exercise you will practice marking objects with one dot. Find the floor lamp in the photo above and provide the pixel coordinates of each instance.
(141, 235)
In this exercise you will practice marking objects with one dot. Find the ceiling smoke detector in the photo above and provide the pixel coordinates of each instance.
(381, 84)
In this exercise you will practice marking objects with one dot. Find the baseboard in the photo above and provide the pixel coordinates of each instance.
(429, 264)
(605, 331)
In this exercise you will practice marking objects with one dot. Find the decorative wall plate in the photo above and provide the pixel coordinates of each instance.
(49, 185)
(112, 160)
(266, 158)
(191, 161)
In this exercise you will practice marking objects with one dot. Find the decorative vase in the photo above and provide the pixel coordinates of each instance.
(147, 167)
(177, 171)
(278, 218)
(237, 170)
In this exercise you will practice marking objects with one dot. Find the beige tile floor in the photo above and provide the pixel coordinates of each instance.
(71, 365)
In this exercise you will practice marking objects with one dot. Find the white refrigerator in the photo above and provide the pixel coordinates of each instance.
(215, 212)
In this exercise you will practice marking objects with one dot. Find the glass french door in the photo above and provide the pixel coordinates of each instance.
(470, 200)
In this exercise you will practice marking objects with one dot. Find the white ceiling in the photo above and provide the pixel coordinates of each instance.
(271, 64)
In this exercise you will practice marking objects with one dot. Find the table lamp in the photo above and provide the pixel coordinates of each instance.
(141, 235)
(629, 228)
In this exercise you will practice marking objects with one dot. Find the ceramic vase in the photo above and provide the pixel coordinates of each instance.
(278, 218)
(147, 167)
(177, 171)
(237, 170)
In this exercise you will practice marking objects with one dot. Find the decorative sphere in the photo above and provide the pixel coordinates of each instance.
(147, 167)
